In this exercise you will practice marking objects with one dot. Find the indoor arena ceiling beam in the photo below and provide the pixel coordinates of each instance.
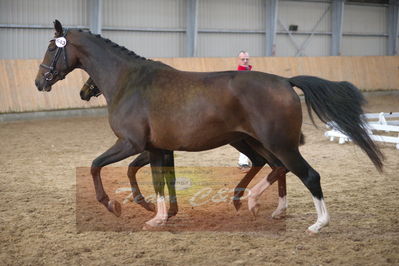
(392, 27)
(337, 16)
(95, 16)
(301, 48)
(192, 27)
(271, 7)
(313, 31)
(292, 38)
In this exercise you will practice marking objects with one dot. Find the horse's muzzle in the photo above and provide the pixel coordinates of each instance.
(84, 96)
(42, 85)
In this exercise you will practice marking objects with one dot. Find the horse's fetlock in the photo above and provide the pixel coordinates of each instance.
(104, 199)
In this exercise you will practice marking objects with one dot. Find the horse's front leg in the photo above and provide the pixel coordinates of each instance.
(257, 163)
(158, 172)
(243, 184)
(119, 151)
(170, 178)
(144, 159)
(282, 197)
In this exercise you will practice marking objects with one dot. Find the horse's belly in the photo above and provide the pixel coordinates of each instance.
(197, 141)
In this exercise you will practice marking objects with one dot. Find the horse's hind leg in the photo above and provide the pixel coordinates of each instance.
(142, 160)
(282, 190)
(294, 161)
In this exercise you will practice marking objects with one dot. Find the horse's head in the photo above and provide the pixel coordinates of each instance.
(59, 59)
(89, 90)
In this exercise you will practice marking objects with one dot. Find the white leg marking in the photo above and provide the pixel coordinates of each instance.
(281, 207)
(162, 214)
(255, 193)
(323, 218)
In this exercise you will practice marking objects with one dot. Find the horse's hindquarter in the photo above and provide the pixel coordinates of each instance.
(273, 108)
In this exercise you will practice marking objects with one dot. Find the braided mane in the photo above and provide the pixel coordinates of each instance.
(121, 49)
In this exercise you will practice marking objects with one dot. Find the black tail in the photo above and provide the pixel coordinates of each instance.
(340, 102)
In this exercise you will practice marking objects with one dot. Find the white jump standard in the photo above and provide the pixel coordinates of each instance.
(385, 123)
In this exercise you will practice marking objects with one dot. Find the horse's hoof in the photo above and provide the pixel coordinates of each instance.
(313, 229)
(253, 206)
(278, 214)
(154, 223)
(172, 213)
(146, 227)
(311, 232)
(244, 168)
(237, 204)
(149, 206)
(115, 207)
(254, 210)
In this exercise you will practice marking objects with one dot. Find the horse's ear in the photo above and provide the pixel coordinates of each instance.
(58, 28)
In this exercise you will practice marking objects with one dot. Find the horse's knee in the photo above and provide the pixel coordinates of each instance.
(97, 163)
(95, 169)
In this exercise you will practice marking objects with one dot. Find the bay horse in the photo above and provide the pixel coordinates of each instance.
(89, 90)
(155, 107)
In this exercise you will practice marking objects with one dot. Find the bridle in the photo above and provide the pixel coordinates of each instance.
(49, 75)
(94, 91)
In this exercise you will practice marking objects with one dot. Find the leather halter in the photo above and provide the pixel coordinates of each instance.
(49, 75)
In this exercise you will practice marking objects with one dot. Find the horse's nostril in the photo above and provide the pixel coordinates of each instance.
(37, 83)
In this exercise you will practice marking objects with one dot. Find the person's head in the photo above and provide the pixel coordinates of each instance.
(243, 58)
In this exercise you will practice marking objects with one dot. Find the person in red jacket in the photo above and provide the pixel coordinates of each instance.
(243, 65)
(243, 61)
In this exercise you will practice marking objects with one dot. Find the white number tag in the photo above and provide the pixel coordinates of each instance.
(60, 42)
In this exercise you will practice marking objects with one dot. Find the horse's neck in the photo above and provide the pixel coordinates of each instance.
(105, 68)
(104, 76)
